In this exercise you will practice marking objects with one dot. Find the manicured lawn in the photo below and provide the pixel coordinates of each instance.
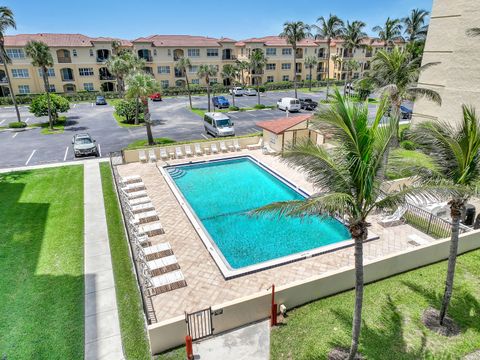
(41, 264)
(402, 163)
(392, 327)
(58, 127)
(130, 309)
(144, 143)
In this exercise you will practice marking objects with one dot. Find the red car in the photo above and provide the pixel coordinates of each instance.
(156, 97)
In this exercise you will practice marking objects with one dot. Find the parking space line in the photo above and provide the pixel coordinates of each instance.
(250, 114)
(14, 135)
(74, 105)
(26, 121)
(30, 157)
(99, 150)
(66, 152)
(92, 104)
(204, 136)
(1, 122)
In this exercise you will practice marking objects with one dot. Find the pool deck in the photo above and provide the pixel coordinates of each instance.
(205, 284)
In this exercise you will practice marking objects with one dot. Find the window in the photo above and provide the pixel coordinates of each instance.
(85, 71)
(74, 52)
(271, 66)
(15, 53)
(193, 52)
(164, 84)
(20, 73)
(285, 78)
(212, 52)
(309, 77)
(356, 75)
(286, 66)
(155, 52)
(287, 51)
(213, 80)
(51, 88)
(50, 72)
(88, 86)
(91, 52)
(163, 69)
(269, 78)
(169, 52)
(196, 81)
(193, 69)
(24, 89)
(271, 51)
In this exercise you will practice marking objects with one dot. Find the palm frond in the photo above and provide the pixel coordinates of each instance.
(432, 95)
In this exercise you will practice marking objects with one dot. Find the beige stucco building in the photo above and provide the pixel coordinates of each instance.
(457, 76)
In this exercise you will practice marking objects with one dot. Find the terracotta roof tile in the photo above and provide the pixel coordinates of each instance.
(58, 40)
(180, 40)
(278, 126)
(123, 42)
(276, 41)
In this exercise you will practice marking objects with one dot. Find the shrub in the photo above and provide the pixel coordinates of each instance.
(233, 108)
(404, 133)
(17, 125)
(262, 89)
(259, 106)
(408, 145)
(58, 104)
(127, 108)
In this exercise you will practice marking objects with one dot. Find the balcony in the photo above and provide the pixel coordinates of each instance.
(368, 54)
(298, 70)
(231, 57)
(107, 77)
(179, 73)
(64, 60)
(68, 78)
(145, 55)
(101, 59)
(103, 55)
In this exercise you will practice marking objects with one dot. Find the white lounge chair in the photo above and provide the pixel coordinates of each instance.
(198, 150)
(236, 145)
(142, 156)
(134, 187)
(130, 179)
(223, 147)
(137, 201)
(266, 149)
(256, 146)
(151, 156)
(129, 196)
(163, 283)
(156, 251)
(230, 146)
(178, 152)
(163, 154)
(143, 217)
(188, 150)
(394, 219)
(151, 229)
(140, 208)
(161, 265)
(214, 148)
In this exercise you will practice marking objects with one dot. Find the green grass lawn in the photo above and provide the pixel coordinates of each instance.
(402, 163)
(130, 309)
(392, 327)
(58, 127)
(41, 264)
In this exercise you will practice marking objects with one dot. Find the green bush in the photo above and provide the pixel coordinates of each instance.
(233, 108)
(259, 106)
(127, 108)
(17, 125)
(408, 145)
(72, 97)
(404, 133)
(262, 89)
(58, 104)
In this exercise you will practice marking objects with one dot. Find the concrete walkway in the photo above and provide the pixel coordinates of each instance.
(102, 328)
(251, 342)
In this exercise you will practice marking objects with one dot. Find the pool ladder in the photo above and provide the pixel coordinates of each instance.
(176, 173)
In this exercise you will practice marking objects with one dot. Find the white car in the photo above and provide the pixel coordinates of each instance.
(237, 91)
(289, 104)
(250, 92)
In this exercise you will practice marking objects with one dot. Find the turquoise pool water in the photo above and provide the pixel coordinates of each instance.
(222, 192)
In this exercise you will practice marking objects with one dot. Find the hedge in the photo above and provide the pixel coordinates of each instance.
(78, 96)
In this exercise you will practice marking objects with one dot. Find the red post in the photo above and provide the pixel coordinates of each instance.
(189, 347)
(273, 317)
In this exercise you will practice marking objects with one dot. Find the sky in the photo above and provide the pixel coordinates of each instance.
(234, 19)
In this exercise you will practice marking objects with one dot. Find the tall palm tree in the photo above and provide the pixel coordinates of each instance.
(42, 58)
(258, 61)
(7, 21)
(350, 66)
(310, 63)
(455, 150)
(242, 65)
(349, 178)
(206, 72)
(230, 72)
(139, 86)
(328, 29)
(293, 33)
(122, 64)
(354, 38)
(390, 32)
(184, 65)
(415, 27)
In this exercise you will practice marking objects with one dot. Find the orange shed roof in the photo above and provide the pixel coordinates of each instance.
(279, 126)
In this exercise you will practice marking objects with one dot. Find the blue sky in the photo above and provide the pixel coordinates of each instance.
(235, 19)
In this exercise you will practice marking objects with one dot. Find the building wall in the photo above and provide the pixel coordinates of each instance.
(457, 76)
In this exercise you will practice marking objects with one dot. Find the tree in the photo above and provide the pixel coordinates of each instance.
(415, 27)
(350, 66)
(122, 64)
(330, 28)
(42, 58)
(139, 86)
(49, 103)
(258, 61)
(354, 38)
(310, 63)
(349, 177)
(243, 66)
(184, 64)
(128, 110)
(206, 72)
(230, 72)
(7, 21)
(455, 151)
(293, 33)
(390, 32)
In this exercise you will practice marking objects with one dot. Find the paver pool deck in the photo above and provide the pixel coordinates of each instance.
(206, 285)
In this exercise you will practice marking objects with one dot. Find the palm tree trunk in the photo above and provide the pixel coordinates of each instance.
(328, 67)
(310, 86)
(188, 89)
(233, 95)
(208, 93)
(10, 87)
(456, 208)
(258, 90)
(295, 70)
(147, 121)
(47, 89)
(137, 110)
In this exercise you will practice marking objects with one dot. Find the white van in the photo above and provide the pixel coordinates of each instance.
(218, 124)
(290, 104)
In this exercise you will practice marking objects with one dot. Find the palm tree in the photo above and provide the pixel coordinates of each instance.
(390, 32)
(121, 65)
(415, 27)
(243, 65)
(206, 72)
(310, 63)
(350, 66)
(42, 58)
(139, 86)
(230, 72)
(184, 65)
(7, 21)
(330, 28)
(349, 177)
(455, 151)
(258, 61)
(293, 33)
(354, 38)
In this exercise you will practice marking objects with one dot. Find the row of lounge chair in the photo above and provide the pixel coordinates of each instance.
(159, 267)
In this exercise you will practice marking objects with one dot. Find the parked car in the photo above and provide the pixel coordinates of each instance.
(237, 91)
(290, 104)
(218, 124)
(156, 97)
(220, 102)
(84, 145)
(406, 112)
(307, 103)
(250, 92)
(100, 100)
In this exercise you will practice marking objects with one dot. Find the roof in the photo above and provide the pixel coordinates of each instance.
(367, 41)
(279, 126)
(122, 42)
(181, 40)
(58, 40)
(277, 41)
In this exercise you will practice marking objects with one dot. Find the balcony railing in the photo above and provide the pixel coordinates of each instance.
(231, 57)
(3, 80)
(102, 59)
(147, 58)
(298, 70)
(107, 77)
(64, 60)
(300, 56)
(179, 74)
(322, 56)
(68, 78)
(368, 54)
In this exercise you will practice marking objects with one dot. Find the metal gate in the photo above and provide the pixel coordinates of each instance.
(199, 324)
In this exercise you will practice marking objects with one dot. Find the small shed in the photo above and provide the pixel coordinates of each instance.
(286, 131)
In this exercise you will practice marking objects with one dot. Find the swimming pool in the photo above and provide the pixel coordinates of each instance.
(220, 195)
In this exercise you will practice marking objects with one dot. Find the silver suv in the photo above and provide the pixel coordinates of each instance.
(84, 145)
